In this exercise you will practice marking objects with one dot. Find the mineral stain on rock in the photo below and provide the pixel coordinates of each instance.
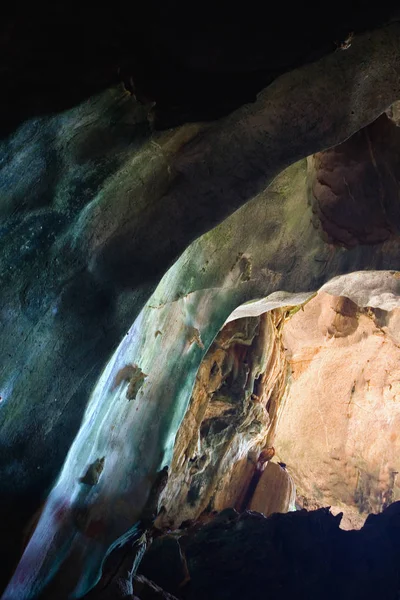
(151, 508)
(134, 375)
(92, 475)
(194, 337)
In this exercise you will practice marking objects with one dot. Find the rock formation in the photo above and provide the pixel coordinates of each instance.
(139, 268)
(338, 431)
(275, 491)
(230, 420)
(184, 66)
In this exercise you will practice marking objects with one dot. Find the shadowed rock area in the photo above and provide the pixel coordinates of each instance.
(302, 554)
(193, 63)
(347, 180)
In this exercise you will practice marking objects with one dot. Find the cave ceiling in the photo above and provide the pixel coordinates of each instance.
(196, 61)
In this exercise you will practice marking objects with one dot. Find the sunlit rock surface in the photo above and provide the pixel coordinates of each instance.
(338, 430)
(68, 300)
(275, 491)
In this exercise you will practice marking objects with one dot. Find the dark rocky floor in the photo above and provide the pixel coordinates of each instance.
(302, 555)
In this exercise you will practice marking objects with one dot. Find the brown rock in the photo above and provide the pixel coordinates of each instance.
(230, 421)
(354, 185)
(265, 456)
(275, 492)
(339, 430)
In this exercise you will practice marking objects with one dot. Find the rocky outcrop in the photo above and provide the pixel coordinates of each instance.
(231, 419)
(338, 431)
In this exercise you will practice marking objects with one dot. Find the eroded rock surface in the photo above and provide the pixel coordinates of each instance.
(231, 419)
(338, 430)
(345, 182)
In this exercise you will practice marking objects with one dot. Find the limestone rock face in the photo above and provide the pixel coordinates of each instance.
(338, 431)
(231, 419)
(275, 491)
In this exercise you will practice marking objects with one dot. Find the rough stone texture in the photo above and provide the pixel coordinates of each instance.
(347, 180)
(275, 491)
(338, 431)
(230, 420)
(164, 398)
(393, 112)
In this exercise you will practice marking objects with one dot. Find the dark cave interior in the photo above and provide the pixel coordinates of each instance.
(196, 61)
(176, 185)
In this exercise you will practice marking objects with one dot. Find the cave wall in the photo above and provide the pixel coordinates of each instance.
(230, 420)
(118, 428)
(338, 430)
